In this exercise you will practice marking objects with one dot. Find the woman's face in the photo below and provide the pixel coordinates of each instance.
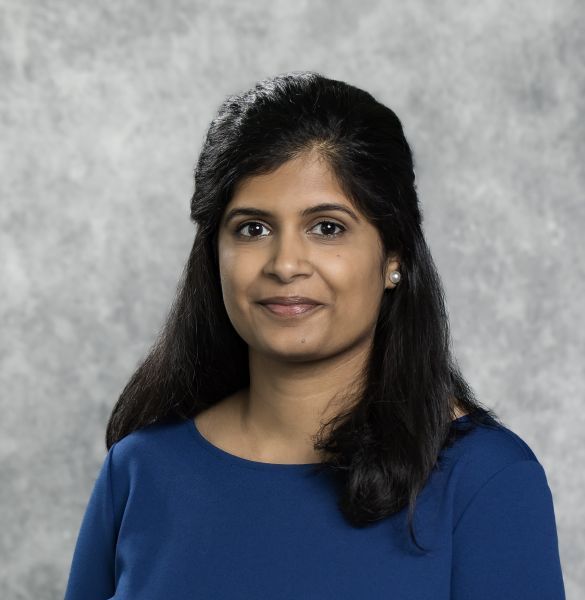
(331, 256)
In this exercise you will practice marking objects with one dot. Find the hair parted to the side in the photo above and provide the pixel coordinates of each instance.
(385, 445)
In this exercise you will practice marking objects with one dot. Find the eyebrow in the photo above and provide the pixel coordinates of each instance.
(259, 212)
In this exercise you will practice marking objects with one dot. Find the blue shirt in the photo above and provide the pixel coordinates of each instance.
(172, 516)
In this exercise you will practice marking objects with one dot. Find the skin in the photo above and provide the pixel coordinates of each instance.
(296, 365)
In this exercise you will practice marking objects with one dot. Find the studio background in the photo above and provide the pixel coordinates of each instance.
(103, 109)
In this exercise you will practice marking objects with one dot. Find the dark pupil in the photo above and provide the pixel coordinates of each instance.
(331, 225)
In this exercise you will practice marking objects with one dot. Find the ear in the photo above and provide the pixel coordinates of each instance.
(392, 264)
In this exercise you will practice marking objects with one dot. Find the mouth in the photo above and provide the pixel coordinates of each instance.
(290, 310)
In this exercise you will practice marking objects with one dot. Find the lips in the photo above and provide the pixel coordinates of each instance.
(290, 306)
(289, 300)
(290, 309)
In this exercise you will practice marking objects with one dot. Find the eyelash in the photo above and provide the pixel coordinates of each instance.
(327, 235)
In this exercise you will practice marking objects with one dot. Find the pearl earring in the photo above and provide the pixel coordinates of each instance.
(395, 276)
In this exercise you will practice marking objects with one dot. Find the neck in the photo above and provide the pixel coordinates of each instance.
(287, 402)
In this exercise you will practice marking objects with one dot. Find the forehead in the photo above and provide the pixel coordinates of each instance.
(294, 187)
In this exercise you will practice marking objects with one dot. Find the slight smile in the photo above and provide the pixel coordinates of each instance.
(290, 310)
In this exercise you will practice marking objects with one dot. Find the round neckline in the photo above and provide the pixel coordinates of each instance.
(239, 461)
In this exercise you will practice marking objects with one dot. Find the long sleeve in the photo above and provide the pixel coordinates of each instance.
(92, 567)
(505, 542)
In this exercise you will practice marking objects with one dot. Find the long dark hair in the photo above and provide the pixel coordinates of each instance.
(384, 447)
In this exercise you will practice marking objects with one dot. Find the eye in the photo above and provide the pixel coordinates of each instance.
(330, 234)
(249, 224)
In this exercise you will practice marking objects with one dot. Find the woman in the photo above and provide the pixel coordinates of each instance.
(300, 428)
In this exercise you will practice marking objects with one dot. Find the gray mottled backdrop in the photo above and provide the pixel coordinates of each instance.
(103, 108)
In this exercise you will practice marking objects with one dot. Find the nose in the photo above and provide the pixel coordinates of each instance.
(289, 256)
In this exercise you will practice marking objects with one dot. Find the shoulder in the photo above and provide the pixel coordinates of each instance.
(140, 465)
(490, 446)
(146, 445)
(503, 525)
(490, 453)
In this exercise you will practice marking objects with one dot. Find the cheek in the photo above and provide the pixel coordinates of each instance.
(355, 281)
(236, 273)
(360, 303)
